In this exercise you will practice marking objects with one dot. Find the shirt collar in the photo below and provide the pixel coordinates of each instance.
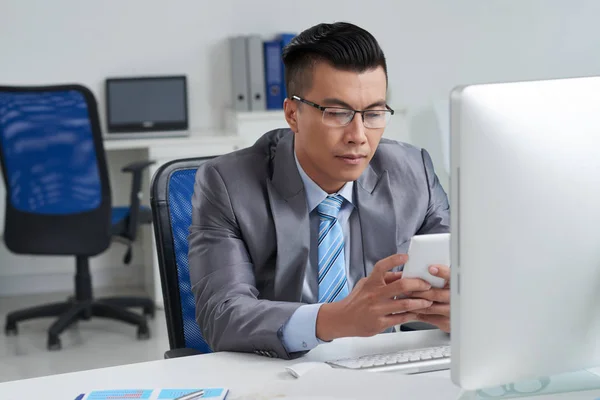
(315, 195)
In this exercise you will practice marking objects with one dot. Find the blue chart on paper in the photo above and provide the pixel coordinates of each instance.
(132, 394)
(170, 394)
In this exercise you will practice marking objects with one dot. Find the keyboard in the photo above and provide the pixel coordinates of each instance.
(408, 361)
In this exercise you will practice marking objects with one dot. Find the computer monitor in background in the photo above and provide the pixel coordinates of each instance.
(525, 201)
(139, 107)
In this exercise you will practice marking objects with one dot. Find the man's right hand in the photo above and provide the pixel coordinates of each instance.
(371, 308)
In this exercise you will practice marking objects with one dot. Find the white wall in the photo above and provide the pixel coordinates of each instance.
(431, 46)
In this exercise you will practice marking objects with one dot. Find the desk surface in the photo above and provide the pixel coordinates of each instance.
(241, 373)
(192, 140)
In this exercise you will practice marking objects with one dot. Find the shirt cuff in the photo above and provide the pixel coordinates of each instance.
(300, 331)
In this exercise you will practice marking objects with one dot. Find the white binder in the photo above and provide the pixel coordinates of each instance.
(239, 73)
(256, 73)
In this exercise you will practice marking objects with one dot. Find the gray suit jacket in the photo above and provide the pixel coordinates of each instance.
(249, 240)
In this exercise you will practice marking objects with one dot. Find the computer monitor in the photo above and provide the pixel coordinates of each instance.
(146, 106)
(525, 225)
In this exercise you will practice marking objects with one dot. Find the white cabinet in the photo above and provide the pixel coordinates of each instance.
(249, 126)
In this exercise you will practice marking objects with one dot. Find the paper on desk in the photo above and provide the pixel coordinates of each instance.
(339, 384)
(151, 394)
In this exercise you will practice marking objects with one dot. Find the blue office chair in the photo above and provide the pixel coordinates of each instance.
(58, 198)
(170, 198)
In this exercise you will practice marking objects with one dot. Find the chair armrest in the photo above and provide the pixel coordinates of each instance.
(137, 166)
(183, 352)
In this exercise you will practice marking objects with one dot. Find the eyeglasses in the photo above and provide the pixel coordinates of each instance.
(338, 116)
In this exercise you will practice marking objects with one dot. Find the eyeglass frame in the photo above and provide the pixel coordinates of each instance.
(354, 112)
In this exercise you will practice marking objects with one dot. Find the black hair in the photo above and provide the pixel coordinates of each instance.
(343, 45)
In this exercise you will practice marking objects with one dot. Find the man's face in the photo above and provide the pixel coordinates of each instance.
(332, 156)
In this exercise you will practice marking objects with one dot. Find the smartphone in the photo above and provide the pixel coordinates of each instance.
(425, 251)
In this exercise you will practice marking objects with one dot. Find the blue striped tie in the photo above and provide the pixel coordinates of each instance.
(332, 266)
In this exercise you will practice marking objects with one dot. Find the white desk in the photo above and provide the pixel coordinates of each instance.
(253, 377)
(243, 374)
(199, 140)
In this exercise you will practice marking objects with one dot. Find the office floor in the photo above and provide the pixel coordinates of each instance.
(89, 344)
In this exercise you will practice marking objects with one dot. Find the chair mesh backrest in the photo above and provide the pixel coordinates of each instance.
(48, 152)
(180, 191)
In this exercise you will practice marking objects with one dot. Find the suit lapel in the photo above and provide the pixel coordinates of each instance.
(377, 217)
(357, 258)
(290, 215)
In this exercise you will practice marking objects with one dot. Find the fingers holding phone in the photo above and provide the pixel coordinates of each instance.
(429, 259)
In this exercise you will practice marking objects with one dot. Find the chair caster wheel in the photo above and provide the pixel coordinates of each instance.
(54, 343)
(11, 329)
(149, 312)
(143, 333)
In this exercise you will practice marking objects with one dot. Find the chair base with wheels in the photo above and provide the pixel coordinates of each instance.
(83, 307)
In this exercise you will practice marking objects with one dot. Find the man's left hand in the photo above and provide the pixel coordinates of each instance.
(438, 313)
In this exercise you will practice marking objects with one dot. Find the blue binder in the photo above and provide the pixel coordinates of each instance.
(273, 75)
(285, 39)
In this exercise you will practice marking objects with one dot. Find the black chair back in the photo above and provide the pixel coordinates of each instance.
(171, 195)
(58, 198)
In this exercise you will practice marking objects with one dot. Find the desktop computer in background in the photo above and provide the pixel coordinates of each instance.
(525, 223)
(146, 107)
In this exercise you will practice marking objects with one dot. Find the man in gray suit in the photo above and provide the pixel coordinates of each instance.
(294, 240)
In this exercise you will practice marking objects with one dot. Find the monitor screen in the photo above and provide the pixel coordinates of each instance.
(146, 104)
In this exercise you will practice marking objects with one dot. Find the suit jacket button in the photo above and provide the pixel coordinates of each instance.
(273, 354)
